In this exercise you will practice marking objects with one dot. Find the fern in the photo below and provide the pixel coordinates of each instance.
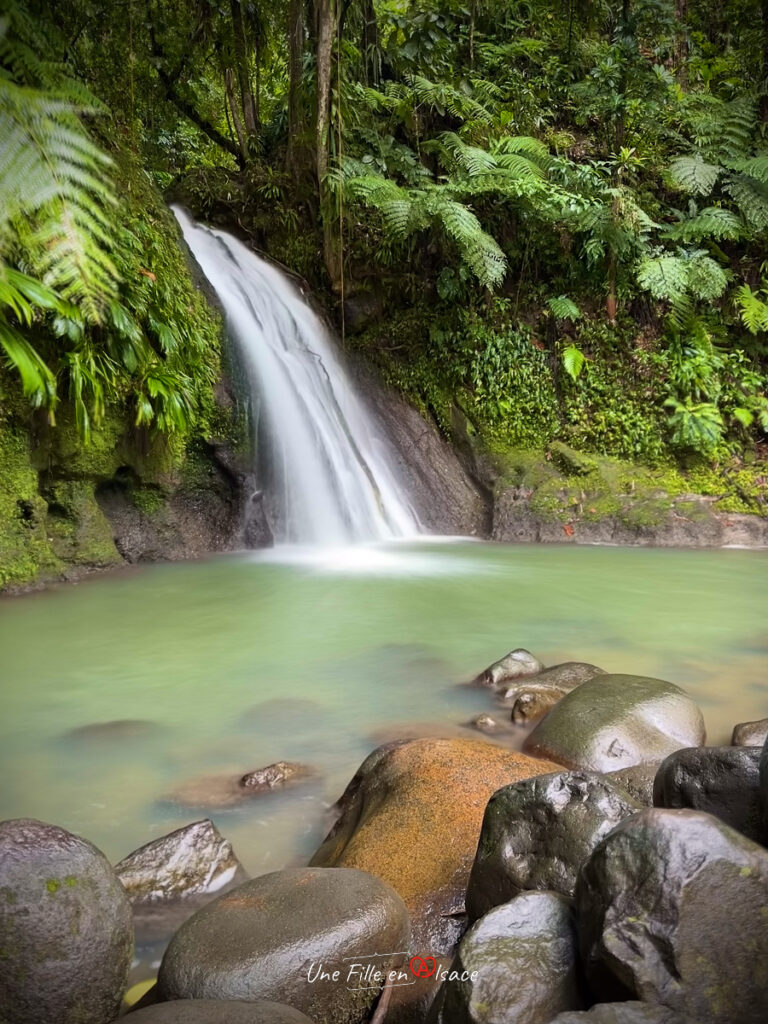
(694, 175)
(563, 308)
(752, 309)
(573, 361)
(712, 222)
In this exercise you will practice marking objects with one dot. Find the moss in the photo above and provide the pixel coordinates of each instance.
(148, 500)
(53, 885)
(25, 549)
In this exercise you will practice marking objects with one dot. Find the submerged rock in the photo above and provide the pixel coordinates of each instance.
(219, 1011)
(265, 939)
(623, 1013)
(724, 781)
(485, 723)
(672, 909)
(412, 815)
(191, 861)
(66, 938)
(616, 721)
(530, 700)
(515, 966)
(109, 732)
(750, 734)
(536, 834)
(219, 792)
(281, 773)
(513, 665)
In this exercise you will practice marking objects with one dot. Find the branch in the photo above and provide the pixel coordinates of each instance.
(188, 109)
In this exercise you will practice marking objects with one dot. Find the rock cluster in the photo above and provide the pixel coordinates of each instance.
(624, 881)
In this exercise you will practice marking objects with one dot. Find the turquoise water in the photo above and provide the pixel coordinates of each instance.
(244, 660)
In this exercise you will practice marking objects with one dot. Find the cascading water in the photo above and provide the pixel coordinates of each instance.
(332, 477)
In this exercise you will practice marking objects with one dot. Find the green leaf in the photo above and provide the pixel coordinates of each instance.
(573, 361)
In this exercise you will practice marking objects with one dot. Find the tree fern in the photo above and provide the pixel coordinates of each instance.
(694, 175)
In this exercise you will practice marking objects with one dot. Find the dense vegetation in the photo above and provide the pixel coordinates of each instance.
(551, 215)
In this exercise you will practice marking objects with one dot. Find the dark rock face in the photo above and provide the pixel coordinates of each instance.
(263, 940)
(66, 939)
(517, 965)
(219, 1011)
(750, 734)
(724, 781)
(444, 495)
(191, 861)
(637, 781)
(672, 909)
(530, 700)
(412, 814)
(512, 666)
(537, 833)
(623, 1013)
(616, 721)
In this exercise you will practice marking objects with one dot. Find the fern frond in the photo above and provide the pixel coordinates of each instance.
(712, 222)
(751, 196)
(563, 308)
(694, 175)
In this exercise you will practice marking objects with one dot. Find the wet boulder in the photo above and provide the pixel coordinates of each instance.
(513, 665)
(517, 965)
(623, 1013)
(750, 734)
(219, 1011)
(530, 699)
(537, 833)
(412, 815)
(66, 938)
(272, 937)
(616, 721)
(193, 860)
(486, 723)
(672, 909)
(724, 781)
(637, 781)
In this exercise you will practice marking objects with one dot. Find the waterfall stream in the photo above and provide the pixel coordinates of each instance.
(331, 475)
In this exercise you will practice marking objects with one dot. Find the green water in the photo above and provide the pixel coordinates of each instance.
(241, 661)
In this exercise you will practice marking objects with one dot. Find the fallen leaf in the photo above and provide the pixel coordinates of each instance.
(147, 273)
(568, 530)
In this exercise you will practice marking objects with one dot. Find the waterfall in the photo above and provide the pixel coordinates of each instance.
(331, 474)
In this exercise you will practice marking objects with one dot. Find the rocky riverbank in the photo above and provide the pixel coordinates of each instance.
(614, 872)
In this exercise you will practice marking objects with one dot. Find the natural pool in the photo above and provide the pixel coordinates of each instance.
(247, 659)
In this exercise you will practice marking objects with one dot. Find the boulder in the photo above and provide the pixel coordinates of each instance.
(273, 936)
(750, 734)
(119, 730)
(412, 815)
(191, 861)
(517, 965)
(66, 938)
(672, 909)
(537, 833)
(622, 1013)
(636, 780)
(724, 781)
(615, 721)
(219, 1011)
(513, 665)
(530, 699)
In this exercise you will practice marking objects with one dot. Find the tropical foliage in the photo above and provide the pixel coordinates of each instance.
(576, 192)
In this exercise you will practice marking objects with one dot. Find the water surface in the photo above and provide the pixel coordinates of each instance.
(246, 659)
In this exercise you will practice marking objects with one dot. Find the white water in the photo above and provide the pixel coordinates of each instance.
(332, 473)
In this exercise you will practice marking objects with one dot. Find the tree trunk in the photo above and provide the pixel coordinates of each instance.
(326, 30)
(229, 85)
(681, 40)
(295, 52)
(242, 66)
(370, 43)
